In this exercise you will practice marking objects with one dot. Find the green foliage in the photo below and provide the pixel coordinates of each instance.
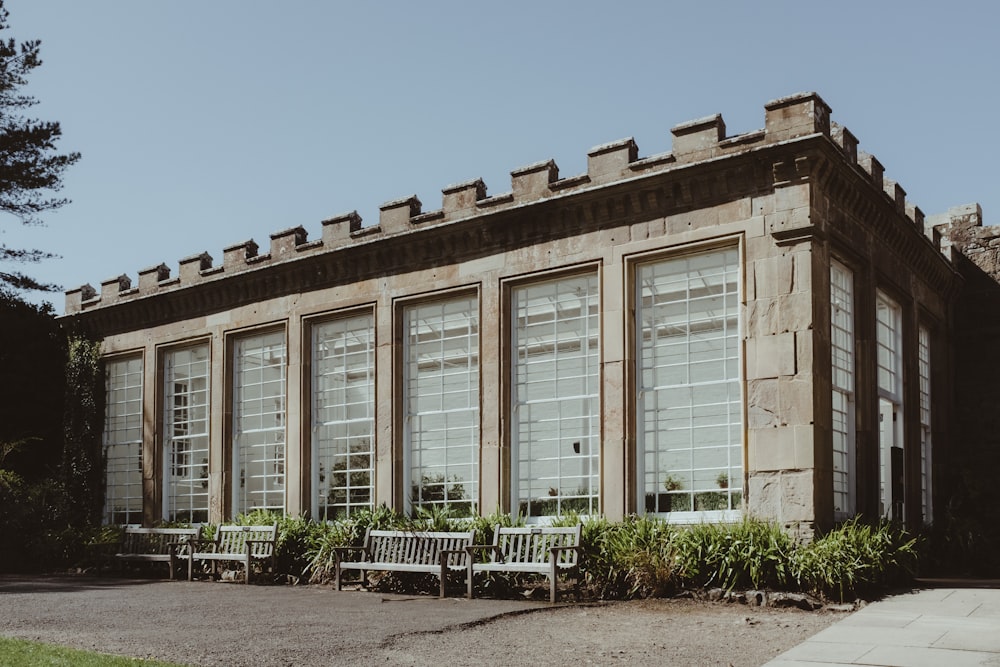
(22, 653)
(31, 167)
(634, 558)
(855, 559)
(82, 463)
(748, 554)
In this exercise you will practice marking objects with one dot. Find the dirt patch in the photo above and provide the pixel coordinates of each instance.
(204, 623)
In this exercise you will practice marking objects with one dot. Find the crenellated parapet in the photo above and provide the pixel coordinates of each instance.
(961, 229)
(700, 141)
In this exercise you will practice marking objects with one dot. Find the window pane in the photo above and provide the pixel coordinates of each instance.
(556, 396)
(123, 441)
(842, 380)
(689, 407)
(185, 428)
(259, 423)
(343, 415)
(441, 399)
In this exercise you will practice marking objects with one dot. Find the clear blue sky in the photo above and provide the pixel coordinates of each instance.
(205, 123)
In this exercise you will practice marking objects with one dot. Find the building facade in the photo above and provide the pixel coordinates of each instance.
(750, 324)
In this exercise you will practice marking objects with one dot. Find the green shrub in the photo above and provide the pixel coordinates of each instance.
(855, 559)
(749, 554)
(633, 558)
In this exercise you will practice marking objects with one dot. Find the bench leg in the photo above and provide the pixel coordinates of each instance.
(468, 580)
(336, 574)
(552, 578)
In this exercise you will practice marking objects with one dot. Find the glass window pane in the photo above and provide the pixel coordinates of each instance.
(441, 399)
(555, 396)
(122, 441)
(259, 423)
(185, 432)
(689, 408)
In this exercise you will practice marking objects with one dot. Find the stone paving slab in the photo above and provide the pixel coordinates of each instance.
(952, 627)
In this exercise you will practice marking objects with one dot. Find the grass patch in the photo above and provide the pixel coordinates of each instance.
(23, 653)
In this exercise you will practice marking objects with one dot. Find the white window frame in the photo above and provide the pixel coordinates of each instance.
(441, 418)
(926, 444)
(555, 397)
(259, 405)
(842, 362)
(677, 400)
(343, 415)
(186, 408)
(889, 371)
(122, 440)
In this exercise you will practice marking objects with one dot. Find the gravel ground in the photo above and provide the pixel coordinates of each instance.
(214, 623)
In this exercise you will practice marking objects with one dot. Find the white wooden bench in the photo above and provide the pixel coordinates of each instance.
(153, 545)
(406, 551)
(243, 544)
(544, 550)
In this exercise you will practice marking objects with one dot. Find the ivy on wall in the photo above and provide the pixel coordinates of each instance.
(82, 460)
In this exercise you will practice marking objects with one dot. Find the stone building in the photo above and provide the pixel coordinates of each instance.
(756, 323)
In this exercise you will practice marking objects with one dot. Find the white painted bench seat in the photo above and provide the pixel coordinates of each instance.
(544, 550)
(241, 544)
(406, 551)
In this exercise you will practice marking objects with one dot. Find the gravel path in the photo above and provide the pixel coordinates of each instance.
(205, 623)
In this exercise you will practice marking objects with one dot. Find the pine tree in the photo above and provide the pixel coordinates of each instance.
(31, 169)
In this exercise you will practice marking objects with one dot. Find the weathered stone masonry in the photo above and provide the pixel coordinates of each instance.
(790, 198)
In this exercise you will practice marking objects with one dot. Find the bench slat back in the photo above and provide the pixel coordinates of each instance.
(417, 547)
(233, 539)
(531, 545)
(155, 540)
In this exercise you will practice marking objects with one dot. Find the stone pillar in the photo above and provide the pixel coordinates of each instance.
(779, 366)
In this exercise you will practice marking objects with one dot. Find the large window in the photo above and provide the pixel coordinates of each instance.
(441, 404)
(123, 441)
(888, 328)
(689, 408)
(343, 429)
(185, 428)
(259, 423)
(555, 397)
(842, 381)
(924, 364)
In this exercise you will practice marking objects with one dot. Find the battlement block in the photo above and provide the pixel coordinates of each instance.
(76, 297)
(916, 215)
(235, 256)
(847, 141)
(698, 136)
(112, 287)
(191, 267)
(340, 228)
(283, 243)
(796, 116)
(151, 277)
(533, 181)
(460, 199)
(874, 168)
(394, 216)
(897, 194)
(610, 161)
